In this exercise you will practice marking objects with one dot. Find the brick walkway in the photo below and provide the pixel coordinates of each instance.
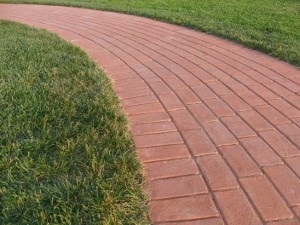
(216, 125)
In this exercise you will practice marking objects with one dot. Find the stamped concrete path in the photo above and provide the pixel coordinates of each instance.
(216, 125)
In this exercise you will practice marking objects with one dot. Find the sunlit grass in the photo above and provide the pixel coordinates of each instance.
(66, 156)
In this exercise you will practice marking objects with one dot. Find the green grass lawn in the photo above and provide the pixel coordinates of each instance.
(271, 26)
(66, 156)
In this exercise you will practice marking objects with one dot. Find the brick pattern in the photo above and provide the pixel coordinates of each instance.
(186, 208)
(177, 187)
(236, 208)
(210, 221)
(217, 173)
(240, 161)
(216, 125)
(286, 182)
(267, 200)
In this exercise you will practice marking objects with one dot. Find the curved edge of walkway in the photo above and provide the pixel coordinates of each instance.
(216, 125)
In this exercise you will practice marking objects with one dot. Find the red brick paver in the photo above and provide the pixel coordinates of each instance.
(216, 125)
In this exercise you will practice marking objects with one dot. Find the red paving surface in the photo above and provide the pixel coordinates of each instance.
(216, 125)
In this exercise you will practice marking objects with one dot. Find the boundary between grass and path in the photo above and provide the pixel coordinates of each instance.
(274, 32)
(66, 154)
(188, 103)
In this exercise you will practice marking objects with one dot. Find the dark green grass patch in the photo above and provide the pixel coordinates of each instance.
(66, 156)
(271, 26)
